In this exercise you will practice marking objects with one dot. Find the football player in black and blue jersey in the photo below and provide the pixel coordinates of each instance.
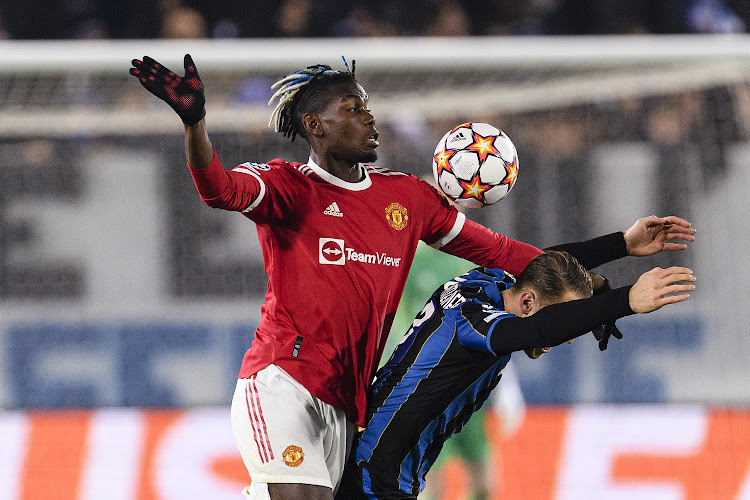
(454, 355)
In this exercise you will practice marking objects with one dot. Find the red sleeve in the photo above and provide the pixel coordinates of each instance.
(225, 189)
(442, 221)
(261, 191)
(485, 248)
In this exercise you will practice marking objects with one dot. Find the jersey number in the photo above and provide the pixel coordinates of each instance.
(426, 313)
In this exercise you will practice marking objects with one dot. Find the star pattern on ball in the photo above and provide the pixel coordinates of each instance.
(483, 146)
(474, 188)
(512, 173)
(442, 158)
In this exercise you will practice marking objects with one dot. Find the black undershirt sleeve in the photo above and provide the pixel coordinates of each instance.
(597, 251)
(557, 323)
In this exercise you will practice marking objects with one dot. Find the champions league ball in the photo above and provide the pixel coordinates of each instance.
(475, 164)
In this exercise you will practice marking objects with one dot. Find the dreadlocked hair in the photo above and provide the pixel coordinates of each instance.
(303, 92)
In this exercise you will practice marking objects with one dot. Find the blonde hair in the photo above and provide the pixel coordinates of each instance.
(554, 273)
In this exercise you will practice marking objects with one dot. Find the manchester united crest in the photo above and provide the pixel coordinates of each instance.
(293, 455)
(397, 216)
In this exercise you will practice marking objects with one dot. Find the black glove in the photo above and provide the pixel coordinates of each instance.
(184, 94)
(602, 333)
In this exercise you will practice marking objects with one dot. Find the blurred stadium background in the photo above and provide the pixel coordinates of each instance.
(126, 304)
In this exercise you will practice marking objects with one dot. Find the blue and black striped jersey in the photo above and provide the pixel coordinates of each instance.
(440, 373)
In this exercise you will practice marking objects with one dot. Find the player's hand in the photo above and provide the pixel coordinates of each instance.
(655, 288)
(536, 352)
(604, 332)
(650, 235)
(185, 94)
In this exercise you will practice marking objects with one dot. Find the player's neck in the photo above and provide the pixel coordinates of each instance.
(344, 170)
(510, 301)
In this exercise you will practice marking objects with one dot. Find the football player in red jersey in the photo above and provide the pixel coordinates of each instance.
(338, 236)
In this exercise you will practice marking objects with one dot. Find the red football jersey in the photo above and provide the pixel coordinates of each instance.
(337, 256)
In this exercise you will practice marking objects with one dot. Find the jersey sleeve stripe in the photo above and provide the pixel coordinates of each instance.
(261, 194)
(457, 226)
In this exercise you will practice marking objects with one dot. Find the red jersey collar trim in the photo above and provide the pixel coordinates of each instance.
(329, 177)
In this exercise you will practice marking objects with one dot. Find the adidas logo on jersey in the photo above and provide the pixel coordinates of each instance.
(333, 209)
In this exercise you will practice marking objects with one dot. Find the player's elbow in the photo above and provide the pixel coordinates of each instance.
(214, 202)
(220, 202)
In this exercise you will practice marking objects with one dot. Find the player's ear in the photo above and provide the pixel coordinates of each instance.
(528, 302)
(312, 124)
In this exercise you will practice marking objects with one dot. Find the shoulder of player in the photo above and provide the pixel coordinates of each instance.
(277, 165)
(483, 284)
(488, 276)
(410, 182)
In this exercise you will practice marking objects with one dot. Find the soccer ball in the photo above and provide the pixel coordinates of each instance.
(475, 164)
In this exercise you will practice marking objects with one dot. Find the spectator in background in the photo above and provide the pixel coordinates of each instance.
(449, 18)
(399, 16)
(509, 17)
(40, 19)
(293, 18)
(362, 20)
(742, 9)
(234, 19)
(305, 18)
(596, 17)
(183, 22)
(713, 16)
(91, 29)
(4, 33)
(35, 19)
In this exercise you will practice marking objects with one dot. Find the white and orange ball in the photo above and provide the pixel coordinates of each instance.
(475, 164)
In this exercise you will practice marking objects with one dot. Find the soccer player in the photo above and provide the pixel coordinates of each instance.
(455, 352)
(429, 270)
(338, 236)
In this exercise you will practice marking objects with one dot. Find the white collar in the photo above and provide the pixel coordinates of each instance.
(329, 177)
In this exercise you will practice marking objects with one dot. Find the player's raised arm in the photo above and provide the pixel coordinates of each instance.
(185, 94)
(228, 190)
(648, 236)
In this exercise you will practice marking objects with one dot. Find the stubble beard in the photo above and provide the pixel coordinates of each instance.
(370, 157)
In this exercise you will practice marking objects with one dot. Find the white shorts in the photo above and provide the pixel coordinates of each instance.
(287, 435)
